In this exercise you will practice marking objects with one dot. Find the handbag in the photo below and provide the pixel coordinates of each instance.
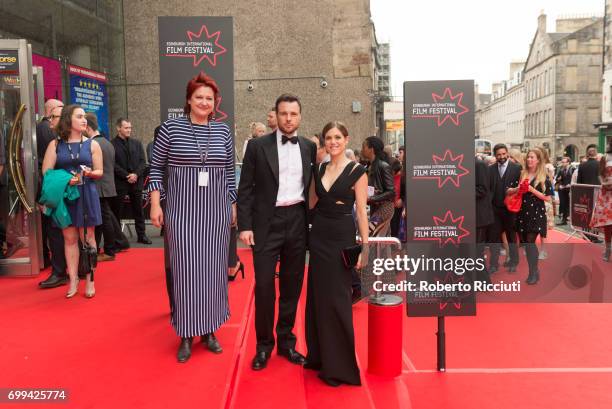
(513, 202)
(350, 256)
(88, 255)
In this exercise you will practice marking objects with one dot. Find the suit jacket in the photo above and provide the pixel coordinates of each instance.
(106, 184)
(484, 208)
(258, 187)
(129, 158)
(588, 172)
(500, 185)
(564, 176)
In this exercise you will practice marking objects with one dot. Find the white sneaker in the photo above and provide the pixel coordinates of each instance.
(502, 252)
(543, 255)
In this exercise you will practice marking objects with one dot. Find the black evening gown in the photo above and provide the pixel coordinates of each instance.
(329, 317)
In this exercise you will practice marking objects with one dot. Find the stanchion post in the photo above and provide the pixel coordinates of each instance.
(441, 345)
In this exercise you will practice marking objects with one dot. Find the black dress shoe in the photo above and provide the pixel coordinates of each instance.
(293, 356)
(493, 269)
(211, 342)
(53, 281)
(144, 240)
(184, 351)
(260, 361)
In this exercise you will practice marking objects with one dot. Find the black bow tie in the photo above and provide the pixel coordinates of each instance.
(289, 139)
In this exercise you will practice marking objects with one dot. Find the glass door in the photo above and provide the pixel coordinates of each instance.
(19, 226)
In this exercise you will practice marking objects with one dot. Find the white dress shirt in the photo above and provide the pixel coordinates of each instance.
(502, 168)
(290, 175)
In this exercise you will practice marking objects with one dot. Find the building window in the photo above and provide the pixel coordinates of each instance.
(594, 79)
(570, 120)
(546, 85)
(593, 117)
(571, 78)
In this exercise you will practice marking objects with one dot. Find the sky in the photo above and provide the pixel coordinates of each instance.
(466, 39)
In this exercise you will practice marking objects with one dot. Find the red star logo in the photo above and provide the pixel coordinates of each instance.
(219, 115)
(198, 58)
(448, 220)
(449, 97)
(448, 158)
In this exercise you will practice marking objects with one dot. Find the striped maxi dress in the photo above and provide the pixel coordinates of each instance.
(197, 220)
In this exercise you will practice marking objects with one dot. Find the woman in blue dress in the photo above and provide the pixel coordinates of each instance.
(197, 155)
(82, 157)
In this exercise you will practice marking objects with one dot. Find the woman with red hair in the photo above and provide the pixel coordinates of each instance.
(197, 154)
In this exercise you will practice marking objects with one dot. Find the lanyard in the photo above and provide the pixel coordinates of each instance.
(203, 156)
(78, 153)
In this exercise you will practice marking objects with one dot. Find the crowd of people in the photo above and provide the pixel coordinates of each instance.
(294, 194)
(535, 179)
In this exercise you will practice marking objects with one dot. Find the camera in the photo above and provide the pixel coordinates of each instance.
(250, 87)
(323, 84)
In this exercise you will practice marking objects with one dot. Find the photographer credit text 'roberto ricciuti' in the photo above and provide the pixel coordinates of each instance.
(458, 266)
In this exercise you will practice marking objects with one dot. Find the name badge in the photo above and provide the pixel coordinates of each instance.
(203, 179)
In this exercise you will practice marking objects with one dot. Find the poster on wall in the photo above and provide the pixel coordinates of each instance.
(88, 89)
(52, 76)
(439, 128)
(187, 46)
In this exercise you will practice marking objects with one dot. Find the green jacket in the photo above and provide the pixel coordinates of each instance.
(55, 191)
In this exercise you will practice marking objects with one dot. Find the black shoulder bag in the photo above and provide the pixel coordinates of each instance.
(88, 255)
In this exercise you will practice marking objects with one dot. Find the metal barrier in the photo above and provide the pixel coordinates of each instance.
(574, 192)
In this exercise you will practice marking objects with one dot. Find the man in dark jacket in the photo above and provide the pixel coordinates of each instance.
(129, 169)
(52, 236)
(504, 174)
(588, 171)
(484, 210)
(563, 181)
(106, 189)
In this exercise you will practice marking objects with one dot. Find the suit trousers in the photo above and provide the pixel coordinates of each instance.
(564, 203)
(106, 228)
(287, 239)
(503, 223)
(136, 207)
(53, 236)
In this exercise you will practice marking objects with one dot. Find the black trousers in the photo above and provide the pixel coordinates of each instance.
(504, 222)
(107, 227)
(136, 207)
(287, 239)
(53, 243)
(564, 203)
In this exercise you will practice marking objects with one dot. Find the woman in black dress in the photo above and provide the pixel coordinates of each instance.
(531, 220)
(338, 185)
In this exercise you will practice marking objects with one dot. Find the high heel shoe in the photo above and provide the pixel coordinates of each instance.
(239, 269)
(90, 292)
(72, 291)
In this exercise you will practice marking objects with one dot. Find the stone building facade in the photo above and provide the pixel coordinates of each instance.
(500, 119)
(277, 49)
(563, 86)
(605, 127)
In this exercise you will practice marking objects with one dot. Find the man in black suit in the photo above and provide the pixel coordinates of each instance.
(588, 171)
(52, 236)
(129, 169)
(272, 218)
(564, 180)
(484, 211)
(504, 175)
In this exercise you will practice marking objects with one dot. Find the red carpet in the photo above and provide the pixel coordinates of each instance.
(118, 351)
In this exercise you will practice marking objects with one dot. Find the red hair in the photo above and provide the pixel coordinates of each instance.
(200, 80)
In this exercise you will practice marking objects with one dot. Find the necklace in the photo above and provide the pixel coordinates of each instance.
(74, 159)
